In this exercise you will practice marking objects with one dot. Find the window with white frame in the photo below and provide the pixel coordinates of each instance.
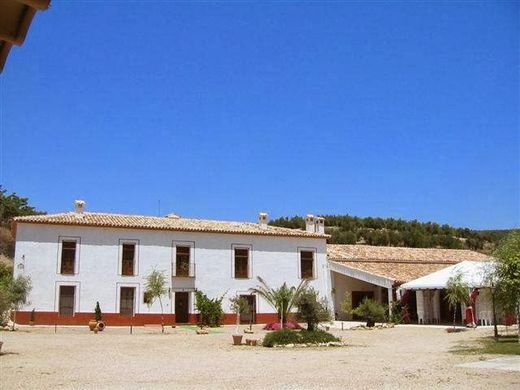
(306, 264)
(242, 266)
(128, 257)
(69, 248)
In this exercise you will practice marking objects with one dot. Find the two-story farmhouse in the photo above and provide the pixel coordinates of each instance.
(78, 258)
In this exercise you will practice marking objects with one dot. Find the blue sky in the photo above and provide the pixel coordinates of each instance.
(221, 110)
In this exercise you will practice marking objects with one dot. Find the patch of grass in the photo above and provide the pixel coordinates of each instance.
(288, 336)
(506, 345)
(316, 337)
(281, 337)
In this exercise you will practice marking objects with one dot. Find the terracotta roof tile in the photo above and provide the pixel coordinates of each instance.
(163, 223)
(397, 263)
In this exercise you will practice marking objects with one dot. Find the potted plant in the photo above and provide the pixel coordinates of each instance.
(238, 305)
(100, 324)
(32, 318)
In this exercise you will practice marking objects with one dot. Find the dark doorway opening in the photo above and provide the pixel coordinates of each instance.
(249, 316)
(181, 307)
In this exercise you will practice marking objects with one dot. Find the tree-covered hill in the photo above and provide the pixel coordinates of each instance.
(11, 205)
(346, 229)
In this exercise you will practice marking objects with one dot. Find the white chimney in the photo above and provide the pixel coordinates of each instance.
(310, 223)
(262, 220)
(79, 206)
(320, 225)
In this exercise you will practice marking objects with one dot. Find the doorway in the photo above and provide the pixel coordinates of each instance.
(181, 307)
(249, 316)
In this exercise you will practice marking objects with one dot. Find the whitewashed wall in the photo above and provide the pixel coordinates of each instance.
(276, 259)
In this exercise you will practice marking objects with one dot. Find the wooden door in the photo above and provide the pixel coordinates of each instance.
(181, 307)
(67, 294)
(249, 316)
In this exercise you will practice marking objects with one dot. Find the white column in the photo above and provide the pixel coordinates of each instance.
(420, 306)
(390, 301)
(436, 306)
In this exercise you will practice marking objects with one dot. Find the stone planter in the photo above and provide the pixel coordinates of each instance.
(237, 339)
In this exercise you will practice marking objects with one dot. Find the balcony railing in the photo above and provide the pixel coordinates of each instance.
(183, 270)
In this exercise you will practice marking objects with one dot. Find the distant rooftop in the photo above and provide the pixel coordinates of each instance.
(398, 263)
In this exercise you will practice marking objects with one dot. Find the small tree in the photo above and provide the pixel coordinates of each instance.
(98, 313)
(370, 311)
(19, 289)
(346, 304)
(210, 310)
(239, 305)
(457, 293)
(508, 274)
(155, 288)
(312, 309)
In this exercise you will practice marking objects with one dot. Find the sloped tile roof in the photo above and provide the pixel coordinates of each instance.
(163, 223)
(397, 263)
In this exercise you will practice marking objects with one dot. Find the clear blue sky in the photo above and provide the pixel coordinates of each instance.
(223, 110)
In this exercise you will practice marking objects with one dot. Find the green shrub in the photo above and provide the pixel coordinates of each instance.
(370, 311)
(97, 312)
(311, 309)
(288, 336)
(316, 337)
(281, 337)
(210, 310)
(398, 313)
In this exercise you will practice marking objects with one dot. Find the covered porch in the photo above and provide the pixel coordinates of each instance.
(358, 284)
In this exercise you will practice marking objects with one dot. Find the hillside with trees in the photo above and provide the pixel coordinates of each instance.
(11, 205)
(346, 229)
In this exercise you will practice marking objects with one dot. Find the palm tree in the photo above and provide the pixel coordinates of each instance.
(456, 294)
(282, 299)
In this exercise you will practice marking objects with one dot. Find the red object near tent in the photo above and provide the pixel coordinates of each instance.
(470, 318)
(286, 325)
(509, 320)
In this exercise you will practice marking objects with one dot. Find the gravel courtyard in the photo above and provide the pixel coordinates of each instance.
(402, 357)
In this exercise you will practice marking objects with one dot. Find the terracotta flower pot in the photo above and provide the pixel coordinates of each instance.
(92, 324)
(101, 325)
(237, 339)
(254, 343)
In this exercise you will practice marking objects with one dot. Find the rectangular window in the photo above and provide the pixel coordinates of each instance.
(182, 261)
(126, 302)
(241, 263)
(128, 260)
(306, 264)
(68, 257)
(67, 301)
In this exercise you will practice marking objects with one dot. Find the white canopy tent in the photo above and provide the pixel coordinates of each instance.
(473, 274)
(428, 290)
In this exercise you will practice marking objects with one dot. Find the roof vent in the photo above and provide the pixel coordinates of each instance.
(79, 206)
(320, 225)
(262, 220)
(173, 216)
(310, 223)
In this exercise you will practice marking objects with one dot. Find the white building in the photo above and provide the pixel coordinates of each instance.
(78, 258)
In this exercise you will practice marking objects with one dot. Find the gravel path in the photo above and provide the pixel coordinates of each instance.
(402, 357)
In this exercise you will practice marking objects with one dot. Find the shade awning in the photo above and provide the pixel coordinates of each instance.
(473, 274)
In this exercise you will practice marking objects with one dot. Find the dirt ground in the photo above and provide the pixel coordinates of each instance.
(402, 357)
